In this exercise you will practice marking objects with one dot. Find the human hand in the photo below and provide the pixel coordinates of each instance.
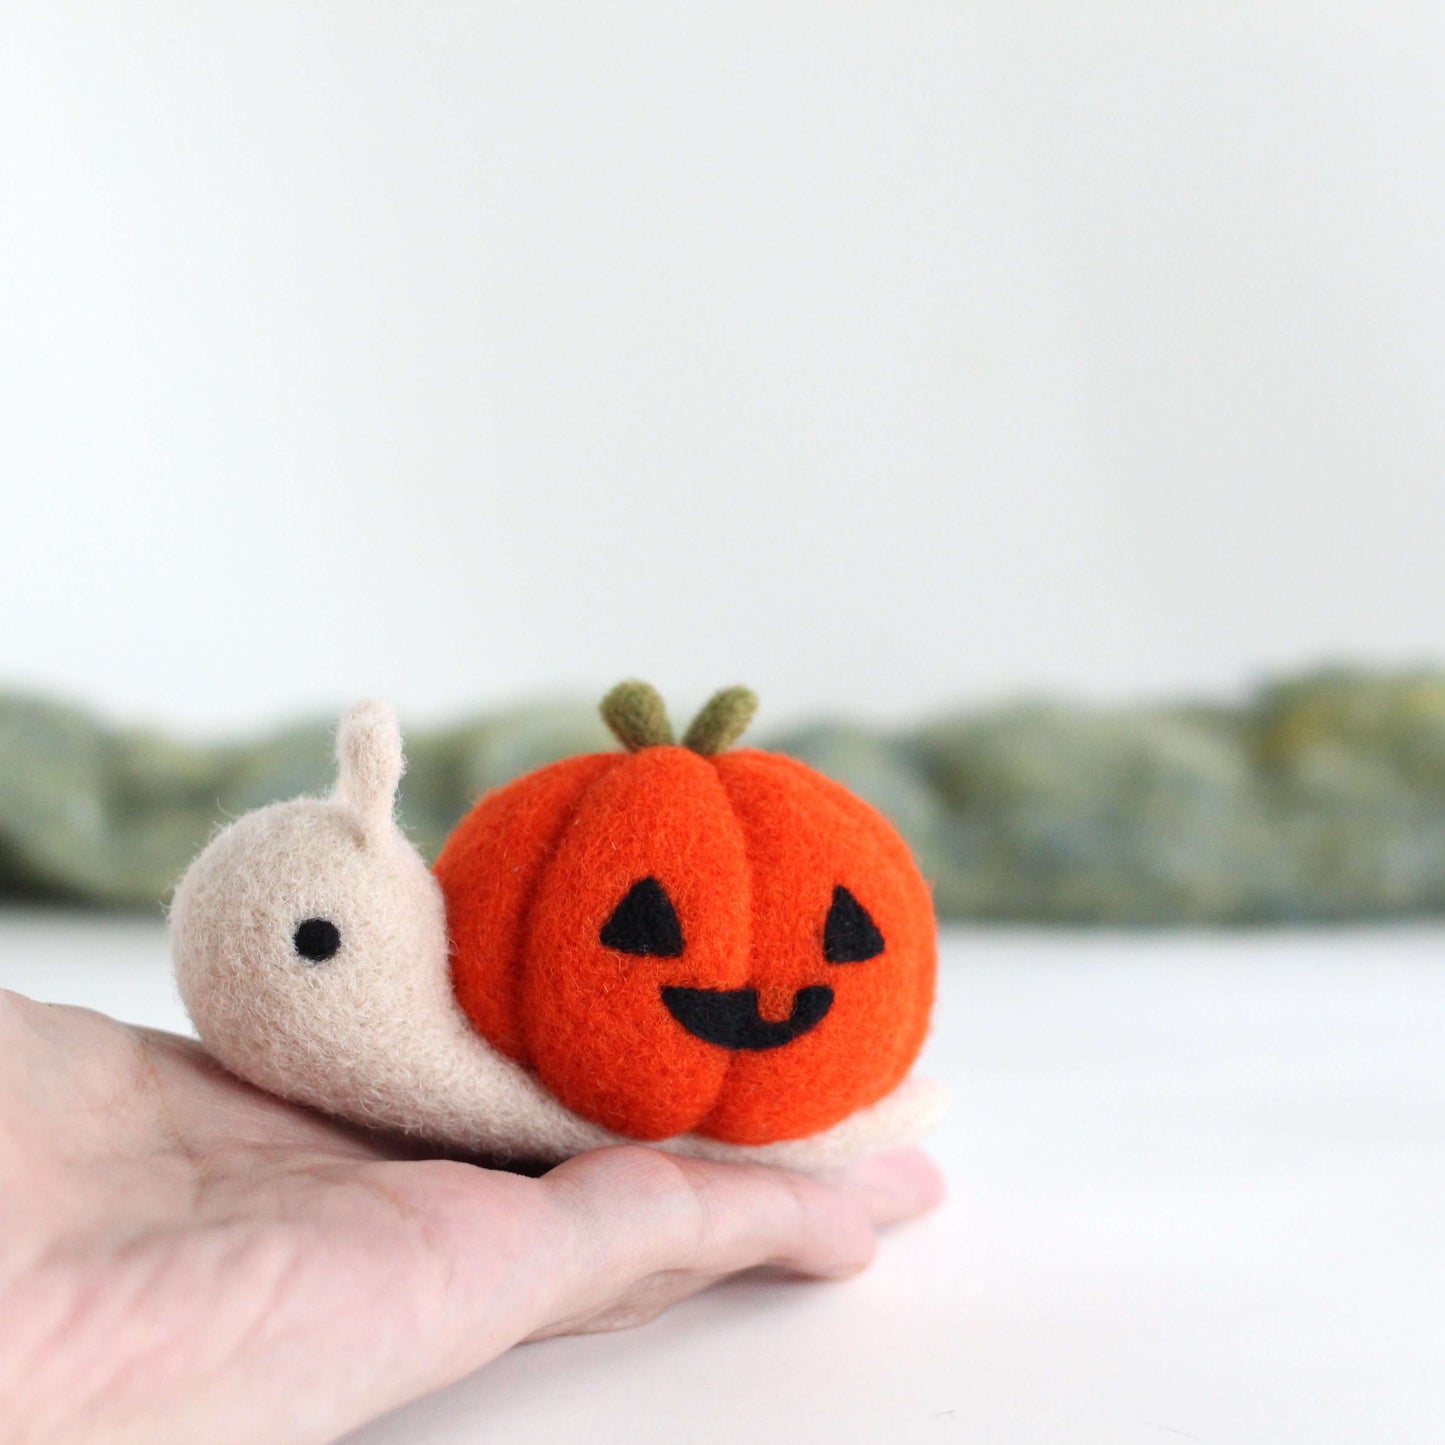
(183, 1257)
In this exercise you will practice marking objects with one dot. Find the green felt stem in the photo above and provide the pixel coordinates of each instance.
(636, 714)
(723, 720)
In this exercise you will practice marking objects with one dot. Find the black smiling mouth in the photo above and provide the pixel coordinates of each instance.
(729, 1016)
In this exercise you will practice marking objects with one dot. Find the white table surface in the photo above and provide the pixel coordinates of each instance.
(1198, 1193)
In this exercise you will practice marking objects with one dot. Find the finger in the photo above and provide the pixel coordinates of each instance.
(632, 1211)
(606, 1240)
(892, 1187)
(646, 1228)
(640, 1304)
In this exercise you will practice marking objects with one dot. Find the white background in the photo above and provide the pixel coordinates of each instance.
(883, 356)
(1194, 1196)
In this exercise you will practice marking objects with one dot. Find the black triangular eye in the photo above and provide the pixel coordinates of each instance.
(850, 935)
(644, 922)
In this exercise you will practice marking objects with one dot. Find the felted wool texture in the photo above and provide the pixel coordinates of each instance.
(723, 720)
(749, 849)
(368, 750)
(598, 1032)
(637, 715)
(806, 835)
(904, 1116)
(489, 870)
(374, 1034)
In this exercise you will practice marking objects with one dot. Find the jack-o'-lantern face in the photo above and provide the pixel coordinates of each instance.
(677, 941)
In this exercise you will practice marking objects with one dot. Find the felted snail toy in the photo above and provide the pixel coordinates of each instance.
(718, 951)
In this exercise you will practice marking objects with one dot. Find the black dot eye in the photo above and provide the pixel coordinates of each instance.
(850, 935)
(645, 922)
(316, 939)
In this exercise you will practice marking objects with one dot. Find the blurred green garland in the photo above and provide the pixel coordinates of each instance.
(1320, 798)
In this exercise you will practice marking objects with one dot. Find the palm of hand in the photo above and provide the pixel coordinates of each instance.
(184, 1257)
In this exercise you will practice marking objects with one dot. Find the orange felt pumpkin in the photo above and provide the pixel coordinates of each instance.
(682, 939)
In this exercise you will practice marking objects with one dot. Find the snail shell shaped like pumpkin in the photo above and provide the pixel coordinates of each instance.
(722, 953)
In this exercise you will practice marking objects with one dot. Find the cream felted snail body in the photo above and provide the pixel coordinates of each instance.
(312, 951)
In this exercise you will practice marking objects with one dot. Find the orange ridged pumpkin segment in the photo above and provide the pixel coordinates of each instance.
(684, 939)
